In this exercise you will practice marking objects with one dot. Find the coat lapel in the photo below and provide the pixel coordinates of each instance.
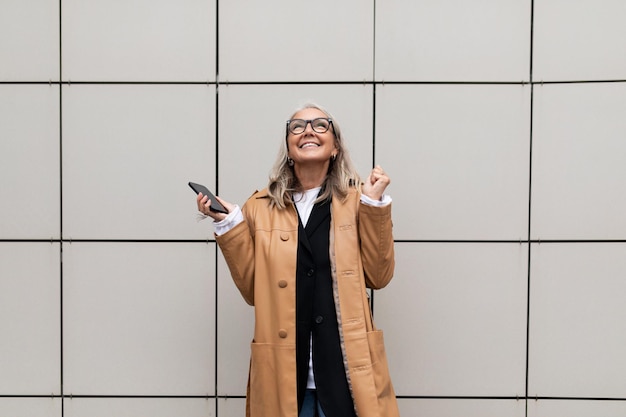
(319, 213)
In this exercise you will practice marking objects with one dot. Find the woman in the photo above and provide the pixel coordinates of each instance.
(302, 252)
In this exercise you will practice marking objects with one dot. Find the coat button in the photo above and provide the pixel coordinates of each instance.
(282, 283)
(284, 237)
(310, 272)
(282, 333)
(319, 319)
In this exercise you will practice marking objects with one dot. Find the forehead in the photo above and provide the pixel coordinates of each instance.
(309, 114)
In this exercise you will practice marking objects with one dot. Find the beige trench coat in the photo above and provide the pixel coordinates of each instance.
(261, 255)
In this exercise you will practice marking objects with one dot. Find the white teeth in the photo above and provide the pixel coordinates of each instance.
(308, 145)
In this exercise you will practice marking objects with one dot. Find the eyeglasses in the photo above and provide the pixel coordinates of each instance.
(319, 125)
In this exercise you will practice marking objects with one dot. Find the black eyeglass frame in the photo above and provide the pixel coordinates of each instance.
(306, 122)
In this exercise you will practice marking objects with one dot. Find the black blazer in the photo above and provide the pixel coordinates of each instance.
(316, 317)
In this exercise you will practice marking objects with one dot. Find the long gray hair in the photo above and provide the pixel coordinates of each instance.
(340, 178)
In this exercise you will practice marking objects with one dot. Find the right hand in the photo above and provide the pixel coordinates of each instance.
(204, 203)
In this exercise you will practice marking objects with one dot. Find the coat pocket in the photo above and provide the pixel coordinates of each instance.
(380, 373)
(272, 380)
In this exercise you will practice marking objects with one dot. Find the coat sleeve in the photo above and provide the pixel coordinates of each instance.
(377, 251)
(237, 246)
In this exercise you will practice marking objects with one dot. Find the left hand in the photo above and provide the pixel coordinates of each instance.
(375, 184)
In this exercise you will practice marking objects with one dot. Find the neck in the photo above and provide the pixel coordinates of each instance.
(310, 177)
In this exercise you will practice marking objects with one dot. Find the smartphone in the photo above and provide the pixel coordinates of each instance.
(215, 205)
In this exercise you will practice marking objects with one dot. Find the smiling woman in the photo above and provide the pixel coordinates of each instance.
(296, 170)
(302, 252)
(311, 146)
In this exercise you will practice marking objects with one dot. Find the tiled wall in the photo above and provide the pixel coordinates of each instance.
(501, 122)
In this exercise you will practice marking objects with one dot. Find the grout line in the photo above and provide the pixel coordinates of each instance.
(469, 241)
(329, 82)
(403, 397)
(217, 160)
(530, 176)
(61, 304)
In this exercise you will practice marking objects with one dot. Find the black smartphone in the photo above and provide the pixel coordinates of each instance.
(215, 205)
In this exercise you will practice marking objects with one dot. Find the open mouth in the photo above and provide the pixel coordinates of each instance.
(309, 145)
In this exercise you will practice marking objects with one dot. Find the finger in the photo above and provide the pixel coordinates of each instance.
(203, 203)
(207, 209)
(381, 174)
(375, 177)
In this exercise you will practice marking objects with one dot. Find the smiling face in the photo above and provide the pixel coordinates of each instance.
(311, 148)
